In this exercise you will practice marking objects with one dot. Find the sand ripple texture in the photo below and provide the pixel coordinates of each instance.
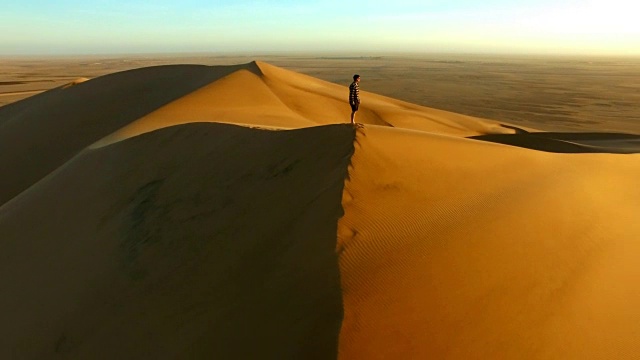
(454, 249)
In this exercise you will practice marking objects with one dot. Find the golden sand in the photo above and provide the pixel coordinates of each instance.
(451, 248)
(132, 227)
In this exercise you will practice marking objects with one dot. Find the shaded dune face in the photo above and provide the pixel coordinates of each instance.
(196, 241)
(614, 143)
(48, 129)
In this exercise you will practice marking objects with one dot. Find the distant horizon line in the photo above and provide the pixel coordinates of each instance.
(328, 54)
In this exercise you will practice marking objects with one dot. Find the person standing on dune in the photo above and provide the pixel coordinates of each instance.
(354, 97)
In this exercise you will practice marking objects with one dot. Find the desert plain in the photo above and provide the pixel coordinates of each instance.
(223, 207)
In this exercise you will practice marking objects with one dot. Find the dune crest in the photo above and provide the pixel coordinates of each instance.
(188, 242)
(75, 82)
(50, 128)
(286, 99)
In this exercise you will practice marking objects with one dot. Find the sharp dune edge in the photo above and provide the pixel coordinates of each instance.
(137, 220)
(189, 242)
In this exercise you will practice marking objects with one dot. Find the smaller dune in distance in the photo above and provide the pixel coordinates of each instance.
(192, 211)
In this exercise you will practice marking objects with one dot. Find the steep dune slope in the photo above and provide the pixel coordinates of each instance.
(241, 98)
(197, 241)
(452, 248)
(286, 99)
(40, 133)
(313, 96)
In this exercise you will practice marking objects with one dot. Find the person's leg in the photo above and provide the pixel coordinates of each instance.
(354, 109)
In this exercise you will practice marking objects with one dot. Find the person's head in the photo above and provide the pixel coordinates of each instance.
(356, 78)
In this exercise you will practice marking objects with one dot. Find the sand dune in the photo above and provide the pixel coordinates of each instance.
(452, 248)
(133, 224)
(190, 242)
(614, 143)
(28, 92)
(285, 99)
(46, 130)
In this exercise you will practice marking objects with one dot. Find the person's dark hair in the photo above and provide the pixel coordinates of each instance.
(355, 77)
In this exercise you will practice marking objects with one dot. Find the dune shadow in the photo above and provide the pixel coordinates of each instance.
(204, 240)
(48, 129)
(568, 142)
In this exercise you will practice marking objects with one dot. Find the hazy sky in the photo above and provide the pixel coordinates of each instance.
(354, 26)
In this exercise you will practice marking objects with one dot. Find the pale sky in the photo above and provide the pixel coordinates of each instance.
(597, 27)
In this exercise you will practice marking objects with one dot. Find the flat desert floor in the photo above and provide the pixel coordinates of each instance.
(545, 93)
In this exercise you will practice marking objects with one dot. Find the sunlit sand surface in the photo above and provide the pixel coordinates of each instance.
(191, 211)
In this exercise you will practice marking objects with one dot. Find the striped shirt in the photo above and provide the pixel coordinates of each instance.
(354, 93)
